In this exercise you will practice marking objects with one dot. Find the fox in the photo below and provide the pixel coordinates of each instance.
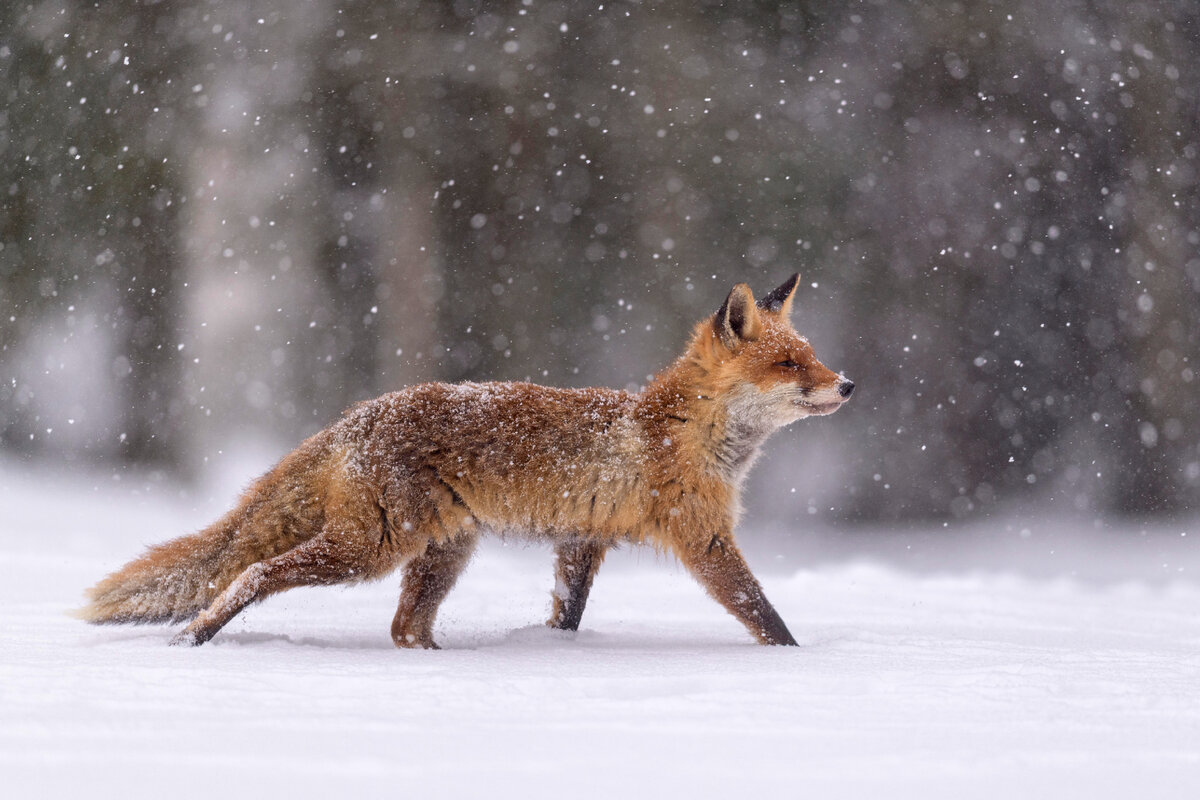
(411, 480)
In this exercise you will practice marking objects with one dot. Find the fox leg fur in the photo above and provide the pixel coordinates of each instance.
(321, 561)
(575, 566)
(428, 578)
(720, 568)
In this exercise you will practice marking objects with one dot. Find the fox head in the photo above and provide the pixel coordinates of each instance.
(767, 373)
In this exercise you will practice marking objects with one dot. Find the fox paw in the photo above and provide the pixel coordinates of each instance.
(413, 641)
(184, 638)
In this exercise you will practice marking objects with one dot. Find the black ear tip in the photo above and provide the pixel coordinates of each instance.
(779, 296)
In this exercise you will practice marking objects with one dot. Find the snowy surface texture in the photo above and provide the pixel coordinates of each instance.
(967, 680)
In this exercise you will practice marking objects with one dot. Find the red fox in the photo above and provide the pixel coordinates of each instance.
(412, 478)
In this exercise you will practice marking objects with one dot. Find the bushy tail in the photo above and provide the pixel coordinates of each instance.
(177, 580)
(172, 582)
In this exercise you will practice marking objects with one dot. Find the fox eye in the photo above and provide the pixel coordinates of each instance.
(787, 364)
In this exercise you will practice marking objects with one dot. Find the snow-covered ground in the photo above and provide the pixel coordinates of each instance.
(929, 666)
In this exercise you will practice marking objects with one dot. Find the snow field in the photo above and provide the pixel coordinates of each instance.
(952, 684)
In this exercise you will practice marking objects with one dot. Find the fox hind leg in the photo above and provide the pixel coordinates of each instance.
(428, 578)
(576, 564)
(320, 561)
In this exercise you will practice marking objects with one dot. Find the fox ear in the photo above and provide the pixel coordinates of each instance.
(779, 300)
(737, 319)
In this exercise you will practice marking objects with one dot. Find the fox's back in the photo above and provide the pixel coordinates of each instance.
(520, 456)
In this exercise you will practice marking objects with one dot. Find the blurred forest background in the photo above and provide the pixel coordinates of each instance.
(225, 220)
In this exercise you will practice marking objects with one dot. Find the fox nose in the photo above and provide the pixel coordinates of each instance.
(845, 388)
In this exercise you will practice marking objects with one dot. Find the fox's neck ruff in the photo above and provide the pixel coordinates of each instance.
(747, 426)
(723, 430)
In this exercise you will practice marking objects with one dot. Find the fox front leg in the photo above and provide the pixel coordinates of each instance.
(576, 563)
(720, 568)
